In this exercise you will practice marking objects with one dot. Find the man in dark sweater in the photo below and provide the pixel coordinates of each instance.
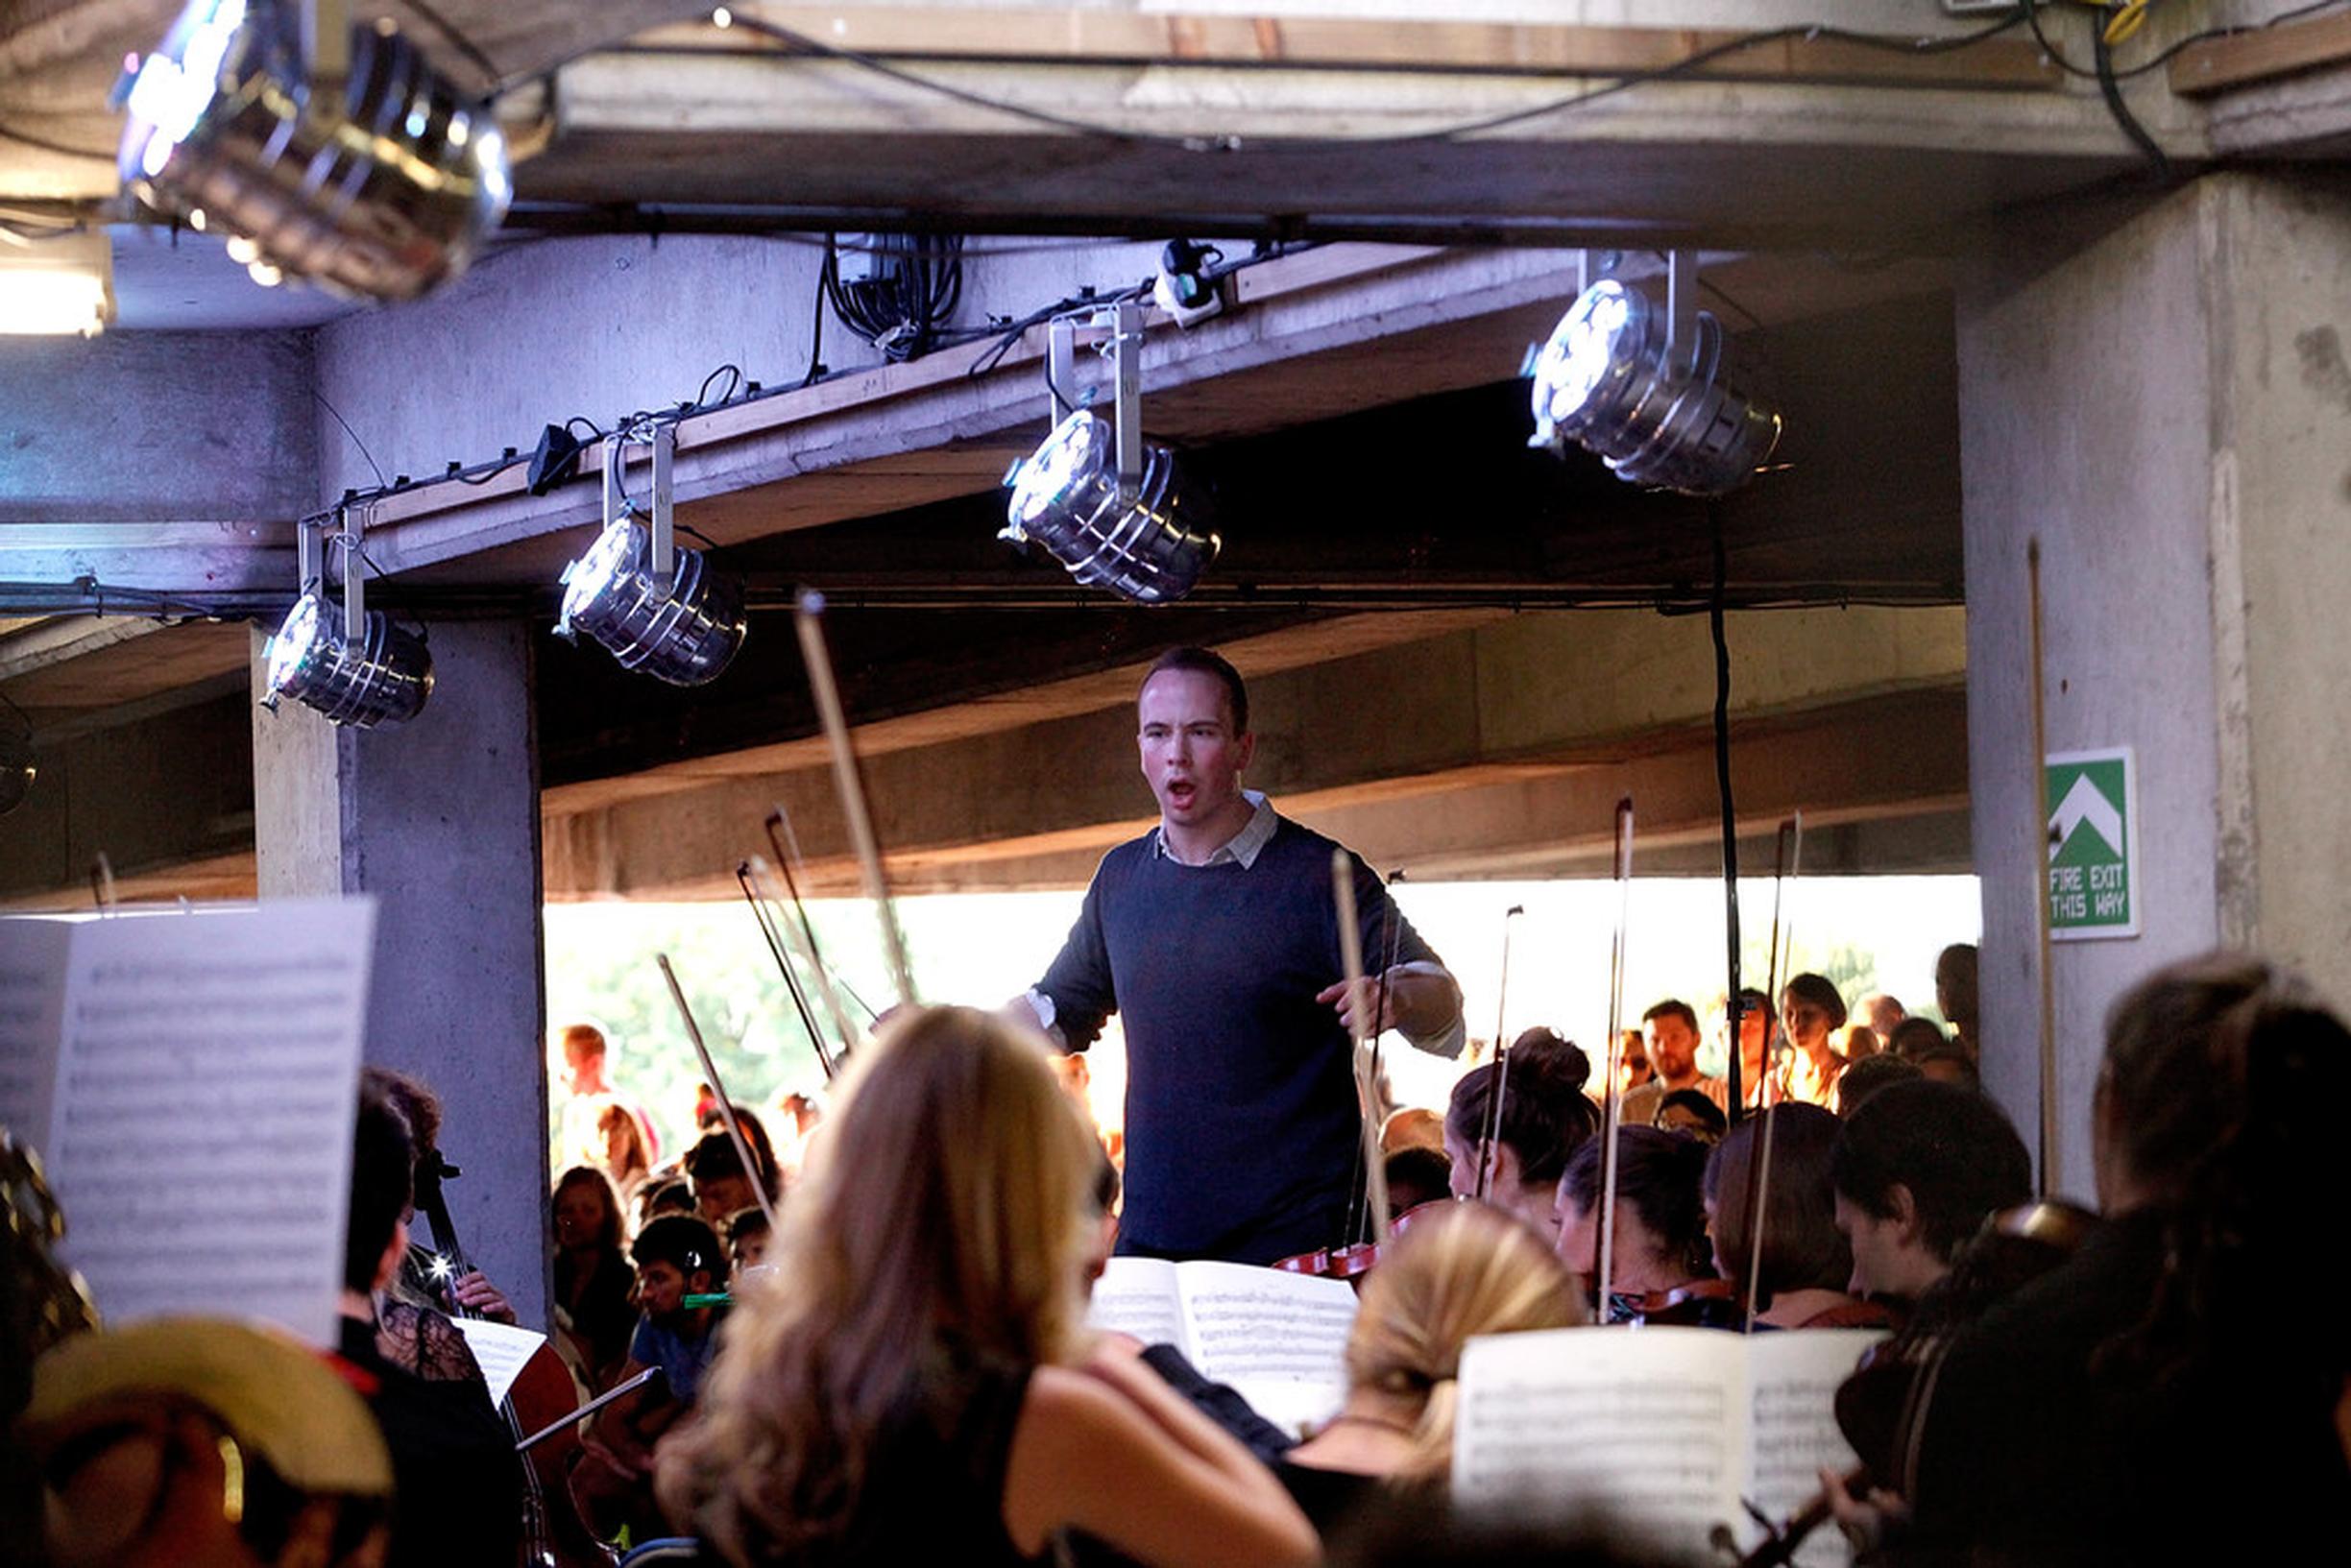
(1214, 939)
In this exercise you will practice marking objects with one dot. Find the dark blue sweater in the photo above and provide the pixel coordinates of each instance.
(1241, 1118)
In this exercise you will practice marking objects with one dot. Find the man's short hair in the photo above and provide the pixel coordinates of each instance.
(743, 1224)
(1673, 1007)
(1871, 1076)
(585, 1038)
(713, 1158)
(1951, 1147)
(1205, 663)
(684, 1244)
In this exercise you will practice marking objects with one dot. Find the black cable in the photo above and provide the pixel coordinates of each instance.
(816, 314)
(2110, 89)
(701, 397)
(2158, 61)
(1722, 784)
(355, 435)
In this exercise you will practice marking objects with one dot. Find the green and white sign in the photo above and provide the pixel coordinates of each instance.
(2093, 806)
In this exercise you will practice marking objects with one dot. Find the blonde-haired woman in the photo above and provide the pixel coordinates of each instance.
(1459, 1271)
(913, 1381)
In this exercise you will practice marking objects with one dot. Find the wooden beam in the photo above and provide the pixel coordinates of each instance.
(2258, 55)
(1088, 37)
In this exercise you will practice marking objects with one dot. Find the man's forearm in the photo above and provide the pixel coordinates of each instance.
(1424, 1006)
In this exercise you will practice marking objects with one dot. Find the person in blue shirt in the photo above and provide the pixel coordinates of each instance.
(1215, 940)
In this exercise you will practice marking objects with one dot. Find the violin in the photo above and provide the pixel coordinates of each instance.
(1353, 1262)
(1701, 1303)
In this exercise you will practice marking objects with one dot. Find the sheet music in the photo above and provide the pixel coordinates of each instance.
(502, 1349)
(1650, 1426)
(1279, 1339)
(200, 1134)
(1138, 1296)
(1794, 1431)
(32, 1006)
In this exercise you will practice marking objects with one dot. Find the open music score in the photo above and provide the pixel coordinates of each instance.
(188, 1078)
(1278, 1339)
(1668, 1429)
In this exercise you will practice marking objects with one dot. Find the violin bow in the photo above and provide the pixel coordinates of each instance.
(792, 862)
(1492, 1131)
(1351, 950)
(770, 925)
(2043, 850)
(756, 1170)
(1790, 853)
(1787, 854)
(1391, 936)
(1611, 1110)
(809, 616)
(800, 940)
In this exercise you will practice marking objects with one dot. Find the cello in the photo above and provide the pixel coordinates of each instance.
(542, 1396)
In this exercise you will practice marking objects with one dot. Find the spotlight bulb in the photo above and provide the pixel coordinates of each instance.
(378, 188)
(1607, 381)
(1151, 546)
(382, 679)
(685, 635)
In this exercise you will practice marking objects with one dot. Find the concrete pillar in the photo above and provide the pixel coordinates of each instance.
(2168, 408)
(439, 819)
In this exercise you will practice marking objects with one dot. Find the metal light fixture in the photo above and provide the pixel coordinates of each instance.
(1112, 508)
(357, 668)
(654, 606)
(57, 286)
(1646, 390)
(341, 157)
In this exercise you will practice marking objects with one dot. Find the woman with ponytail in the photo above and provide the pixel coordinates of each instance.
(1460, 1271)
(2178, 1392)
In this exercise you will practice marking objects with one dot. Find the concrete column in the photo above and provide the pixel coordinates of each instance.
(439, 819)
(2167, 407)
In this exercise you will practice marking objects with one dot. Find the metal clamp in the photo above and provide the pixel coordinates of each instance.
(1124, 322)
(662, 562)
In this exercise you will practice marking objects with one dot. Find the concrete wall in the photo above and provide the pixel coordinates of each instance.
(156, 427)
(2160, 408)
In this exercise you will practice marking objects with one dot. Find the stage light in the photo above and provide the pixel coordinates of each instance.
(1113, 508)
(1655, 405)
(353, 165)
(351, 664)
(59, 286)
(653, 605)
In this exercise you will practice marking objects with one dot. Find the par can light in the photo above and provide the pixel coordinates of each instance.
(1609, 381)
(685, 632)
(381, 678)
(379, 185)
(1151, 546)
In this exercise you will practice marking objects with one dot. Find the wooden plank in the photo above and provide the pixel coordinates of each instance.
(1105, 37)
(2241, 60)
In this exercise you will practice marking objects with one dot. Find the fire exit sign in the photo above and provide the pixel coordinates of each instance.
(2093, 806)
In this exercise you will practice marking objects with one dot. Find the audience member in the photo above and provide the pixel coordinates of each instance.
(1916, 1172)
(1659, 1242)
(1691, 1112)
(1880, 1012)
(1632, 1068)
(1954, 984)
(664, 1194)
(1805, 1264)
(914, 1377)
(1457, 1273)
(1858, 1042)
(1545, 1115)
(593, 1285)
(720, 1183)
(1865, 1078)
(1953, 1063)
(1670, 1032)
(1809, 1010)
(587, 1090)
(622, 1153)
(1761, 1081)
(1416, 1127)
(746, 1238)
(1915, 1036)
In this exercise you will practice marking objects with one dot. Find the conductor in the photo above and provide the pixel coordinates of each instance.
(1215, 940)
